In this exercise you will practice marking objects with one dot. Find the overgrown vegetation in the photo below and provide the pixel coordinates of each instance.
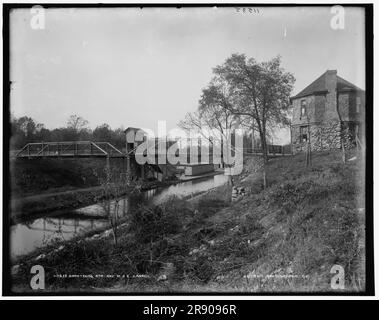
(283, 238)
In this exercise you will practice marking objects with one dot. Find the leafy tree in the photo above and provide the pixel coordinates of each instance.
(102, 133)
(259, 91)
(118, 138)
(27, 126)
(25, 130)
(43, 135)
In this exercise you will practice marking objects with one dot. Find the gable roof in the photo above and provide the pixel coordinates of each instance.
(319, 86)
(343, 84)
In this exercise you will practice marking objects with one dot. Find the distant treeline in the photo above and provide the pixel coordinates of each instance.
(25, 130)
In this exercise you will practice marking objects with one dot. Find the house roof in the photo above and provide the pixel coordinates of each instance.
(319, 86)
(343, 84)
(132, 129)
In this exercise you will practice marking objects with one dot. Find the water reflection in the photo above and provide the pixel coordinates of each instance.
(97, 210)
(27, 236)
(185, 189)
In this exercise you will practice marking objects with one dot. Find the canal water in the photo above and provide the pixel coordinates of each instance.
(30, 235)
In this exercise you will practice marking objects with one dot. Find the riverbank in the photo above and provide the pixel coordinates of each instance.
(31, 177)
(47, 203)
(41, 186)
(284, 238)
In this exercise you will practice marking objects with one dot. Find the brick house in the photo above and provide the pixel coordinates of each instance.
(315, 117)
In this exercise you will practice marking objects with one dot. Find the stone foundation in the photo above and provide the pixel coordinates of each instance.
(326, 136)
(348, 134)
(322, 137)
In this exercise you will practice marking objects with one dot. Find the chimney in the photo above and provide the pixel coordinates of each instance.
(331, 80)
(331, 96)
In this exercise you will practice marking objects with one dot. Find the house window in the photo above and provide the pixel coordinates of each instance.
(303, 109)
(358, 104)
(303, 134)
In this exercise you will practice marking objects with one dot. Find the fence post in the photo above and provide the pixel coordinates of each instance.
(291, 139)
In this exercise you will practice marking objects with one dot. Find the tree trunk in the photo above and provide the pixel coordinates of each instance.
(222, 153)
(264, 176)
(265, 156)
(264, 146)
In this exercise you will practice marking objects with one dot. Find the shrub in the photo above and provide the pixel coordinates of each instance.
(153, 222)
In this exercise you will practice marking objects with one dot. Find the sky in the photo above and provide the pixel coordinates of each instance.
(133, 67)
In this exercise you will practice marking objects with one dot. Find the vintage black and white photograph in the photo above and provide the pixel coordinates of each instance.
(187, 149)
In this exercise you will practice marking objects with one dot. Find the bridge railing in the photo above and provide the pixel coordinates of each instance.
(68, 148)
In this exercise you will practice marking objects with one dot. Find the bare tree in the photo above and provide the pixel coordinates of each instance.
(115, 185)
(77, 123)
(212, 120)
(218, 118)
(194, 121)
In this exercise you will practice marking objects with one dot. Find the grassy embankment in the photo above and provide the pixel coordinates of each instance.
(284, 238)
(42, 186)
